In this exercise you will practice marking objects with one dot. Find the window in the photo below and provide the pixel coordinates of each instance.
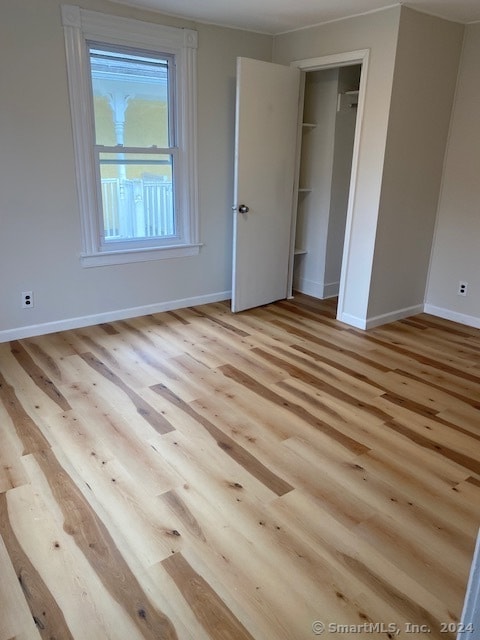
(133, 97)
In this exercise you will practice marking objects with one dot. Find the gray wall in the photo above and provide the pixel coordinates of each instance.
(456, 251)
(426, 67)
(409, 90)
(40, 240)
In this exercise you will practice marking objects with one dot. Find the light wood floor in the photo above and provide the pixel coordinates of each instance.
(202, 475)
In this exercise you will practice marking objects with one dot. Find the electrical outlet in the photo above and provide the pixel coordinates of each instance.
(462, 288)
(27, 299)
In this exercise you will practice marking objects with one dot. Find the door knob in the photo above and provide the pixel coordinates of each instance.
(242, 208)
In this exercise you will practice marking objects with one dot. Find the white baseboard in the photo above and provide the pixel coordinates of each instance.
(109, 316)
(330, 290)
(317, 289)
(353, 321)
(399, 314)
(385, 318)
(309, 287)
(314, 289)
(376, 321)
(447, 314)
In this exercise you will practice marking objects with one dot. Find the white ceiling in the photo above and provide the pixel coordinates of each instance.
(278, 16)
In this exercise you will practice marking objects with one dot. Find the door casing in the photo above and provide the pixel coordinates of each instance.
(360, 56)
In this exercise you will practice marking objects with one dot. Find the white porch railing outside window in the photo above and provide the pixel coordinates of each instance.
(139, 208)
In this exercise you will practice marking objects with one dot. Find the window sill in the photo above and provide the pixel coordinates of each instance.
(125, 256)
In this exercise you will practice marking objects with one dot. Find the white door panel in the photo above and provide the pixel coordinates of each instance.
(265, 160)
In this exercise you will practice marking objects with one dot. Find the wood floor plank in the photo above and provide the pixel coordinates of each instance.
(463, 416)
(127, 505)
(432, 343)
(428, 493)
(399, 593)
(143, 408)
(11, 470)
(323, 376)
(261, 434)
(395, 502)
(299, 472)
(262, 541)
(84, 526)
(435, 359)
(464, 460)
(205, 603)
(413, 556)
(192, 378)
(264, 392)
(38, 376)
(259, 599)
(447, 327)
(95, 613)
(216, 473)
(122, 356)
(376, 436)
(227, 444)
(16, 620)
(198, 474)
(107, 434)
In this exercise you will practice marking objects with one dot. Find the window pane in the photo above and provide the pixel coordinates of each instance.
(130, 99)
(137, 196)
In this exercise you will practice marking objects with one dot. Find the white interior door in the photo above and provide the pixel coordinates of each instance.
(265, 162)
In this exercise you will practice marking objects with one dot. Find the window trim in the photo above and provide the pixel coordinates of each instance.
(82, 26)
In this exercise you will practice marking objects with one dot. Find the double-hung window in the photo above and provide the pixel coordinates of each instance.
(133, 98)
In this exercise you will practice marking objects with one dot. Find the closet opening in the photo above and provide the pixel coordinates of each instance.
(327, 141)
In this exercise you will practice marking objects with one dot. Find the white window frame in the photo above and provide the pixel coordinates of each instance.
(81, 27)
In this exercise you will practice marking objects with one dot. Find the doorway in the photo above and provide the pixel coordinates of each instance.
(344, 189)
(328, 133)
(266, 196)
